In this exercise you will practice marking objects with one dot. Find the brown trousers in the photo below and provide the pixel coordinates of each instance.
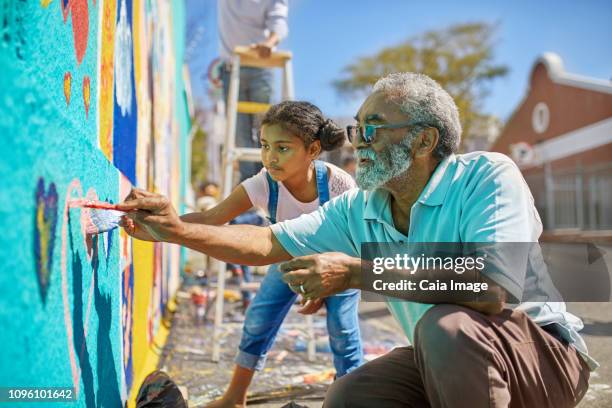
(462, 358)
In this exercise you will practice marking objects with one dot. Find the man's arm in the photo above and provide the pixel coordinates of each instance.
(243, 244)
(235, 204)
(490, 300)
(240, 244)
(326, 274)
(277, 25)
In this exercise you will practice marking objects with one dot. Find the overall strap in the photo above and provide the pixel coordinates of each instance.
(272, 198)
(322, 185)
(322, 189)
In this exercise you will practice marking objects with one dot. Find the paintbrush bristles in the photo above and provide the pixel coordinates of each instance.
(103, 221)
(103, 216)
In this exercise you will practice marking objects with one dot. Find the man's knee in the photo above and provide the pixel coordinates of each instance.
(338, 394)
(444, 327)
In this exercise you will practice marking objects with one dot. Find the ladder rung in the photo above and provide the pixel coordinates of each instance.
(253, 107)
(249, 58)
(250, 286)
(247, 154)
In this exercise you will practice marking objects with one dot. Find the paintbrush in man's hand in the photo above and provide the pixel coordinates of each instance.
(103, 216)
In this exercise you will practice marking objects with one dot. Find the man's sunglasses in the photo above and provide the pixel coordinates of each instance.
(367, 132)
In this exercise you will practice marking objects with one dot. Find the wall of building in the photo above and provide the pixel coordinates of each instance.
(564, 125)
(92, 102)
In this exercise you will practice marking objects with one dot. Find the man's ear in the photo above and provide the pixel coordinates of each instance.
(427, 142)
(314, 149)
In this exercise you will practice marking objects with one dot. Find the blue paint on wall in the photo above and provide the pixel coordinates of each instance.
(125, 126)
(61, 291)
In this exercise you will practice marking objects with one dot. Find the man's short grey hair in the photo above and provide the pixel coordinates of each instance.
(425, 102)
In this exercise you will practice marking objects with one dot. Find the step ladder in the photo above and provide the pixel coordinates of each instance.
(247, 57)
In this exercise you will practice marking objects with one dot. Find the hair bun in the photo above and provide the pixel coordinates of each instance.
(330, 135)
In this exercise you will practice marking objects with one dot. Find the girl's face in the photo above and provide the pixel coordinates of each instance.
(284, 154)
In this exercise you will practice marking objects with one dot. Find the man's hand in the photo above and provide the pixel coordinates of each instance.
(150, 216)
(321, 275)
(264, 48)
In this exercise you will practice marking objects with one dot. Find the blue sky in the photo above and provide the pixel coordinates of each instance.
(326, 35)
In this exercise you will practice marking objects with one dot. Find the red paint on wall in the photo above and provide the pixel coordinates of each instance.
(80, 24)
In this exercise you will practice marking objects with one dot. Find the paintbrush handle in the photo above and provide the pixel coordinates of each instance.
(100, 205)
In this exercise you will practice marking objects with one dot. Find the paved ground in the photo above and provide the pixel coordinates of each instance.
(290, 377)
(597, 332)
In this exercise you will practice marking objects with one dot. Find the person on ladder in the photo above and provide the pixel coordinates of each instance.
(261, 24)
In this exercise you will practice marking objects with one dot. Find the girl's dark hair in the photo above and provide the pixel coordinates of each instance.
(307, 122)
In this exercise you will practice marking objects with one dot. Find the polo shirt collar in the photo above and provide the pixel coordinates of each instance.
(435, 191)
(377, 202)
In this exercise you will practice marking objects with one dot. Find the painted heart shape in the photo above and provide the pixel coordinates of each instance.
(45, 222)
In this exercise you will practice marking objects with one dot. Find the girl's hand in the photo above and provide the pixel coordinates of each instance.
(310, 306)
(134, 230)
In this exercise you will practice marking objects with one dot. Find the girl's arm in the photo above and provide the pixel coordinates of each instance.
(235, 204)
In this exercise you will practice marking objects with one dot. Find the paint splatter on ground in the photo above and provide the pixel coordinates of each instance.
(288, 375)
(187, 355)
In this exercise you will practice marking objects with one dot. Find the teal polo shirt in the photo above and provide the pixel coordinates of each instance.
(475, 197)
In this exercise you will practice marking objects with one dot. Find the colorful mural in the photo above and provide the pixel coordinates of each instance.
(91, 103)
(44, 233)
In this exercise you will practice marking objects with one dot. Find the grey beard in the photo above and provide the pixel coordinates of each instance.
(386, 165)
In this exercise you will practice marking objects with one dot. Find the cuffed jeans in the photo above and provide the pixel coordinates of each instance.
(268, 310)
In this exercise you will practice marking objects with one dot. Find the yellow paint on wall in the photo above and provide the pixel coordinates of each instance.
(143, 282)
(45, 3)
(150, 362)
(136, 31)
(43, 227)
(106, 82)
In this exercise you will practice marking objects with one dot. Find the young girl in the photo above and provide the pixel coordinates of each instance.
(291, 183)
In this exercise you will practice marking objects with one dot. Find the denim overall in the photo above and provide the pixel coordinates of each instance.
(274, 299)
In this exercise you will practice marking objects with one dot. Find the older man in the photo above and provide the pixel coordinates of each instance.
(414, 188)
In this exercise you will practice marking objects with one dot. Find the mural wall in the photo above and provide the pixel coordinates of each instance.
(92, 102)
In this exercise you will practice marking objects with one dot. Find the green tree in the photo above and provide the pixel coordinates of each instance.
(459, 57)
(199, 160)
